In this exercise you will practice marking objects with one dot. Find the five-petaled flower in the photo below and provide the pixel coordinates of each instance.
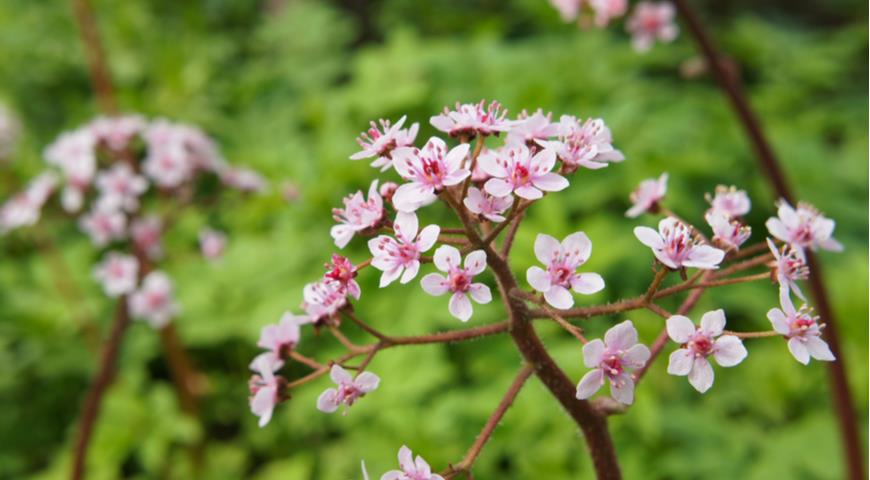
(412, 469)
(348, 389)
(562, 261)
(322, 300)
(801, 329)
(117, 273)
(266, 388)
(674, 246)
(516, 170)
(804, 227)
(647, 195)
(429, 170)
(730, 201)
(380, 142)
(728, 233)
(279, 339)
(614, 359)
(153, 300)
(789, 266)
(587, 144)
(401, 256)
(486, 205)
(357, 215)
(470, 119)
(458, 280)
(698, 344)
(650, 22)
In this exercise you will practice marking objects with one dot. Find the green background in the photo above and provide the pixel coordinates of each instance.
(285, 87)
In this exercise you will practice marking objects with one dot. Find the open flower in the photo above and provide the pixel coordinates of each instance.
(528, 129)
(168, 166)
(698, 344)
(117, 273)
(728, 233)
(647, 195)
(587, 144)
(265, 388)
(104, 225)
(486, 205)
(650, 22)
(804, 227)
(606, 10)
(470, 119)
(674, 246)
(516, 170)
(322, 300)
(458, 280)
(429, 170)
(73, 152)
(802, 330)
(145, 233)
(380, 142)
(24, 208)
(343, 272)
(789, 267)
(357, 215)
(613, 359)
(279, 339)
(116, 132)
(562, 261)
(730, 201)
(412, 469)
(120, 188)
(153, 300)
(212, 243)
(348, 390)
(401, 256)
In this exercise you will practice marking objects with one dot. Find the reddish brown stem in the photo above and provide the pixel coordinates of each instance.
(101, 80)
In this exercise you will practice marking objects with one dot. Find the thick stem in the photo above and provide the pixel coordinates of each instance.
(101, 81)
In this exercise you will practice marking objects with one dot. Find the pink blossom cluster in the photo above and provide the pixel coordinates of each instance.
(647, 23)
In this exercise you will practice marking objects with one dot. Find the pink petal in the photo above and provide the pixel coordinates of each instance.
(545, 160)
(580, 243)
(621, 336)
(538, 279)
(475, 262)
(367, 381)
(341, 234)
(559, 297)
(498, 187)
(713, 322)
(729, 351)
(263, 405)
(546, 247)
(488, 162)
(778, 320)
(704, 257)
(819, 350)
(456, 156)
(460, 306)
(528, 192)
(593, 353)
(480, 293)
(799, 350)
(389, 276)
(406, 458)
(701, 376)
(434, 284)
(446, 258)
(590, 383)
(680, 362)
(680, 328)
(410, 272)
(428, 237)
(622, 390)
(406, 226)
(326, 402)
(777, 229)
(411, 196)
(587, 283)
(636, 356)
(339, 375)
(551, 182)
(649, 237)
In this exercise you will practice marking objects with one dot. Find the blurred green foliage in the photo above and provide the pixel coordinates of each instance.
(285, 86)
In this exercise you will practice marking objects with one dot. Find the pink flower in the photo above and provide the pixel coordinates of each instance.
(357, 215)
(606, 10)
(116, 132)
(343, 272)
(401, 256)
(381, 142)
(801, 329)
(118, 273)
(730, 201)
(266, 389)
(515, 170)
(279, 339)
(145, 233)
(562, 261)
(104, 225)
(168, 166)
(647, 196)
(674, 246)
(650, 22)
(614, 359)
(349, 389)
(24, 208)
(322, 300)
(727, 233)
(584, 145)
(243, 179)
(190, 148)
(120, 188)
(153, 301)
(789, 267)
(803, 228)
(698, 344)
(471, 119)
(568, 9)
(212, 243)
(528, 129)
(486, 205)
(412, 469)
(73, 153)
(430, 170)
(458, 280)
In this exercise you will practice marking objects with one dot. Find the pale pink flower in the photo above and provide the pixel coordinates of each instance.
(145, 233)
(729, 200)
(279, 339)
(168, 166)
(486, 205)
(516, 170)
(348, 391)
(674, 246)
(728, 233)
(243, 179)
(73, 153)
(562, 261)
(458, 280)
(412, 469)
(117, 273)
(24, 208)
(429, 170)
(606, 10)
(191, 149)
(583, 145)
(104, 225)
(698, 344)
(789, 267)
(357, 215)
(568, 9)
(120, 188)
(470, 119)
(401, 256)
(613, 359)
(342, 271)
(380, 142)
(266, 388)
(212, 243)
(153, 301)
(803, 228)
(322, 300)
(650, 22)
(802, 330)
(528, 129)
(647, 196)
(116, 133)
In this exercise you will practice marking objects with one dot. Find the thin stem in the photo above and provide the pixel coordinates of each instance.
(766, 334)
(365, 326)
(314, 364)
(745, 265)
(657, 280)
(511, 234)
(101, 80)
(712, 283)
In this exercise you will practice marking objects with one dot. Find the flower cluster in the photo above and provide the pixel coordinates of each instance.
(647, 23)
